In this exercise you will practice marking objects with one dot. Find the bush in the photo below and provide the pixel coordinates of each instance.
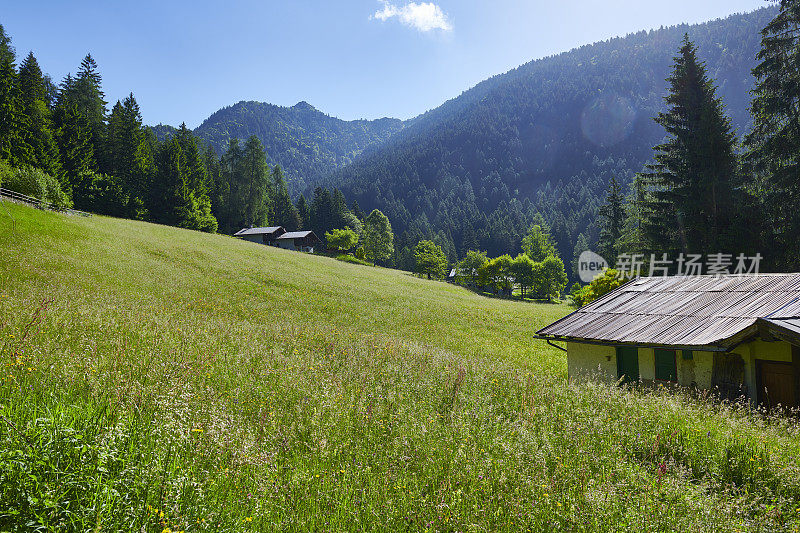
(600, 286)
(36, 183)
(347, 258)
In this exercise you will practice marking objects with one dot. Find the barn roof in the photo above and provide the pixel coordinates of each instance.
(713, 312)
(297, 235)
(258, 231)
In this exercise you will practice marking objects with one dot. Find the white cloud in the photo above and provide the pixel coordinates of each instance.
(425, 16)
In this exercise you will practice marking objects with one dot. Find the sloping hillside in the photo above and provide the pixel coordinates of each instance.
(160, 379)
(545, 137)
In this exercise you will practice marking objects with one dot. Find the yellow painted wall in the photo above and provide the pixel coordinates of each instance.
(589, 360)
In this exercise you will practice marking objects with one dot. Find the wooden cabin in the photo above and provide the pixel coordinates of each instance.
(268, 235)
(301, 241)
(736, 335)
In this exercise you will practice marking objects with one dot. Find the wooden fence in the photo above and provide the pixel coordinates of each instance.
(35, 202)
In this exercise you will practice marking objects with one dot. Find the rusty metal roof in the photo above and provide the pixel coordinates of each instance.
(687, 311)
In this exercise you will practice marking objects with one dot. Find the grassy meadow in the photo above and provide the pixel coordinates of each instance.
(156, 379)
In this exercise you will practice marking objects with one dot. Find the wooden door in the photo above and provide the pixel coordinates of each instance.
(628, 363)
(777, 384)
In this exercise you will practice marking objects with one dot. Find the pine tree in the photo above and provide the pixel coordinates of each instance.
(128, 154)
(356, 210)
(38, 133)
(284, 213)
(13, 145)
(86, 94)
(253, 184)
(612, 217)
(304, 212)
(774, 143)
(694, 173)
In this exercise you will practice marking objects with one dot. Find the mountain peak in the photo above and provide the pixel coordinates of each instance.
(304, 106)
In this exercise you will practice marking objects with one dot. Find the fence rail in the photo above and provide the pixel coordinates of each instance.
(41, 204)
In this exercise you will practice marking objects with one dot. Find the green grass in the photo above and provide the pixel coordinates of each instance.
(158, 378)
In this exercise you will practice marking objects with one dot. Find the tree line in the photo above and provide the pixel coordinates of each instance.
(707, 191)
(62, 144)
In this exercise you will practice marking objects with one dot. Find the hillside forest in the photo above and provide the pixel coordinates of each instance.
(536, 155)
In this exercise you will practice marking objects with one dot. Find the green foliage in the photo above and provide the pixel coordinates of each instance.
(378, 237)
(430, 260)
(284, 213)
(601, 285)
(341, 239)
(306, 143)
(774, 142)
(34, 182)
(693, 204)
(551, 279)
(347, 258)
(526, 272)
(546, 137)
(538, 243)
(468, 268)
(612, 218)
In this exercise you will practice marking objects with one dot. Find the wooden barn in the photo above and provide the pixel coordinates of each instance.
(738, 335)
(266, 236)
(302, 241)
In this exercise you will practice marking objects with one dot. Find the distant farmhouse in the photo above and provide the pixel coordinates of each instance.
(301, 241)
(261, 235)
(739, 335)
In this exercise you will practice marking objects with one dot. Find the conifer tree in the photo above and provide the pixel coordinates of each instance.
(13, 145)
(612, 217)
(86, 95)
(38, 132)
(128, 153)
(693, 176)
(284, 213)
(304, 212)
(774, 143)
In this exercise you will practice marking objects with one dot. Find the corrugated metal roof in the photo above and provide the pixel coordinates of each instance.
(683, 310)
(257, 231)
(296, 234)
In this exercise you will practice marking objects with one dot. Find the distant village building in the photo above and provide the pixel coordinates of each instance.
(738, 335)
(302, 241)
(266, 236)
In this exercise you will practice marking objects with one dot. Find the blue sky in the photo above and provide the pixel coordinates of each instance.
(352, 59)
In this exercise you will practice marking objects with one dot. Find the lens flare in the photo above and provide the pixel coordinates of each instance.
(608, 120)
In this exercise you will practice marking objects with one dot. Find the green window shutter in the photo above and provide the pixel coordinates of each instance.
(628, 363)
(666, 367)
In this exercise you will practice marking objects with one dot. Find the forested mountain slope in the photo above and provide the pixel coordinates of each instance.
(305, 142)
(545, 137)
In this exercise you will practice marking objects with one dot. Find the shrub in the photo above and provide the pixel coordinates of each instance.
(36, 183)
(601, 285)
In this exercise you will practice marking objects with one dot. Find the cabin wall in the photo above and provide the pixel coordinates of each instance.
(591, 361)
(600, 361)
(253, 238)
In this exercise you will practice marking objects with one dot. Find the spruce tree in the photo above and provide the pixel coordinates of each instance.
(86, 94)
(38, 133)
(304, 212)
(284, 213)
(694, 173)
(13, 145)
(128, 155)
(774, 143)
(612, 217)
